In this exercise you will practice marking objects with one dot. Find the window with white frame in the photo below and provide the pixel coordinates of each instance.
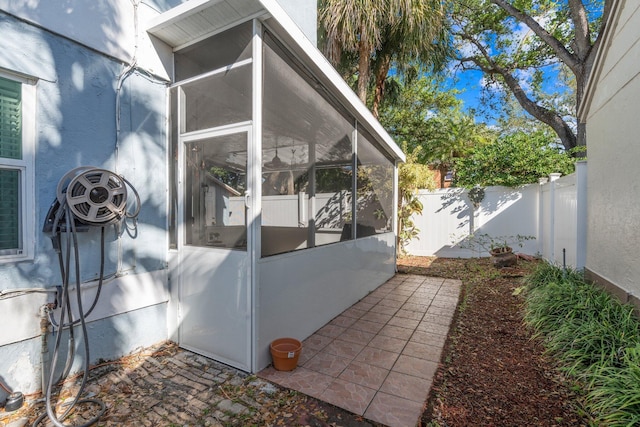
(17, 112)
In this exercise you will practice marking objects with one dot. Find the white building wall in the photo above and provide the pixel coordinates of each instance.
(613, 236)
(113, 27)
(75, 116)
(620, 65)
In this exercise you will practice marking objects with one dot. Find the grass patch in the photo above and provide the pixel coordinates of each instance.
(595, 338)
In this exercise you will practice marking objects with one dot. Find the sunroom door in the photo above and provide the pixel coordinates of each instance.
(215, 268)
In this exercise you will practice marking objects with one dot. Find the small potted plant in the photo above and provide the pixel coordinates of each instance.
(500, 247)
(502, 255)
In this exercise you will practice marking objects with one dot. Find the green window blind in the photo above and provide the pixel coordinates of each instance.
(9, 209)
(11, 148)
(10, 119)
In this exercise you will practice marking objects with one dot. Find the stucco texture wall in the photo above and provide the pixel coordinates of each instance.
(613, 236)
(76, 126)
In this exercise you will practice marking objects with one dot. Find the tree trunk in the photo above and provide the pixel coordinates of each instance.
(363, 70)
(551, 118)
(443, 173)
(381, 78)
(581, 83)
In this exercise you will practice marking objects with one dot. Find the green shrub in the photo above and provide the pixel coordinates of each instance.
(546, 273)
(514, 159)
(615, 394)
(595, 338)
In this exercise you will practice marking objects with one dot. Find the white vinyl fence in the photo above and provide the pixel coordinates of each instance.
(554, 212)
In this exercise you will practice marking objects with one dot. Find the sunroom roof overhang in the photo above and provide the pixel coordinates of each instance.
(195, 20)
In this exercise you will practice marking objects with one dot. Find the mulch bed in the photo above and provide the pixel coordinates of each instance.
(493, 373)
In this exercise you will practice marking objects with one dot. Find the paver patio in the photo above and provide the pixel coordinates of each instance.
(377, 359)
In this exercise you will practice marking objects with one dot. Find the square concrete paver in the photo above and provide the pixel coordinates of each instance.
(423, 351)
(331, 330)
(316, 342)
(347, 395)
(328, 364)
(301, 379)
(343, 321)
(388, 343)
(415, 366)
(398, 332)
(377, 359)
(346, 349)
(393, 411)
(364, 374)
(406, 386)
(354, 335)
(403, 322)
(367, 325)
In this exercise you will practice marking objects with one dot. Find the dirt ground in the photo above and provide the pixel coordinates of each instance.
(493, 373)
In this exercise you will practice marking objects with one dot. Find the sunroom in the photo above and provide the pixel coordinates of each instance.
(283, 185)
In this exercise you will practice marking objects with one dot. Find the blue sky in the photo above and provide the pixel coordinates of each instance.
(469, 82)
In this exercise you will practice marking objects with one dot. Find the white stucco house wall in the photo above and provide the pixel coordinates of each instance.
(610, 110)
(266, 187)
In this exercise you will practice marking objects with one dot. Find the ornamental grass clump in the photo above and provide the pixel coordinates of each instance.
(617, 394)
(595, 338)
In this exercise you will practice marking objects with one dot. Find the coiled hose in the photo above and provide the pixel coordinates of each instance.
(65, 212)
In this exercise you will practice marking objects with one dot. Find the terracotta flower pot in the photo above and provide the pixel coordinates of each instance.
(285, 353)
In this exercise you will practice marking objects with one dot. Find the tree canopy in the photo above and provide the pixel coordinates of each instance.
(377, 34)
(517, 43)
(428, 122)
(536, 57)
(514, 159)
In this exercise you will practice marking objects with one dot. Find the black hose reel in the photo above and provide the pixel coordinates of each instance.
(96, 197)
(85, 197)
